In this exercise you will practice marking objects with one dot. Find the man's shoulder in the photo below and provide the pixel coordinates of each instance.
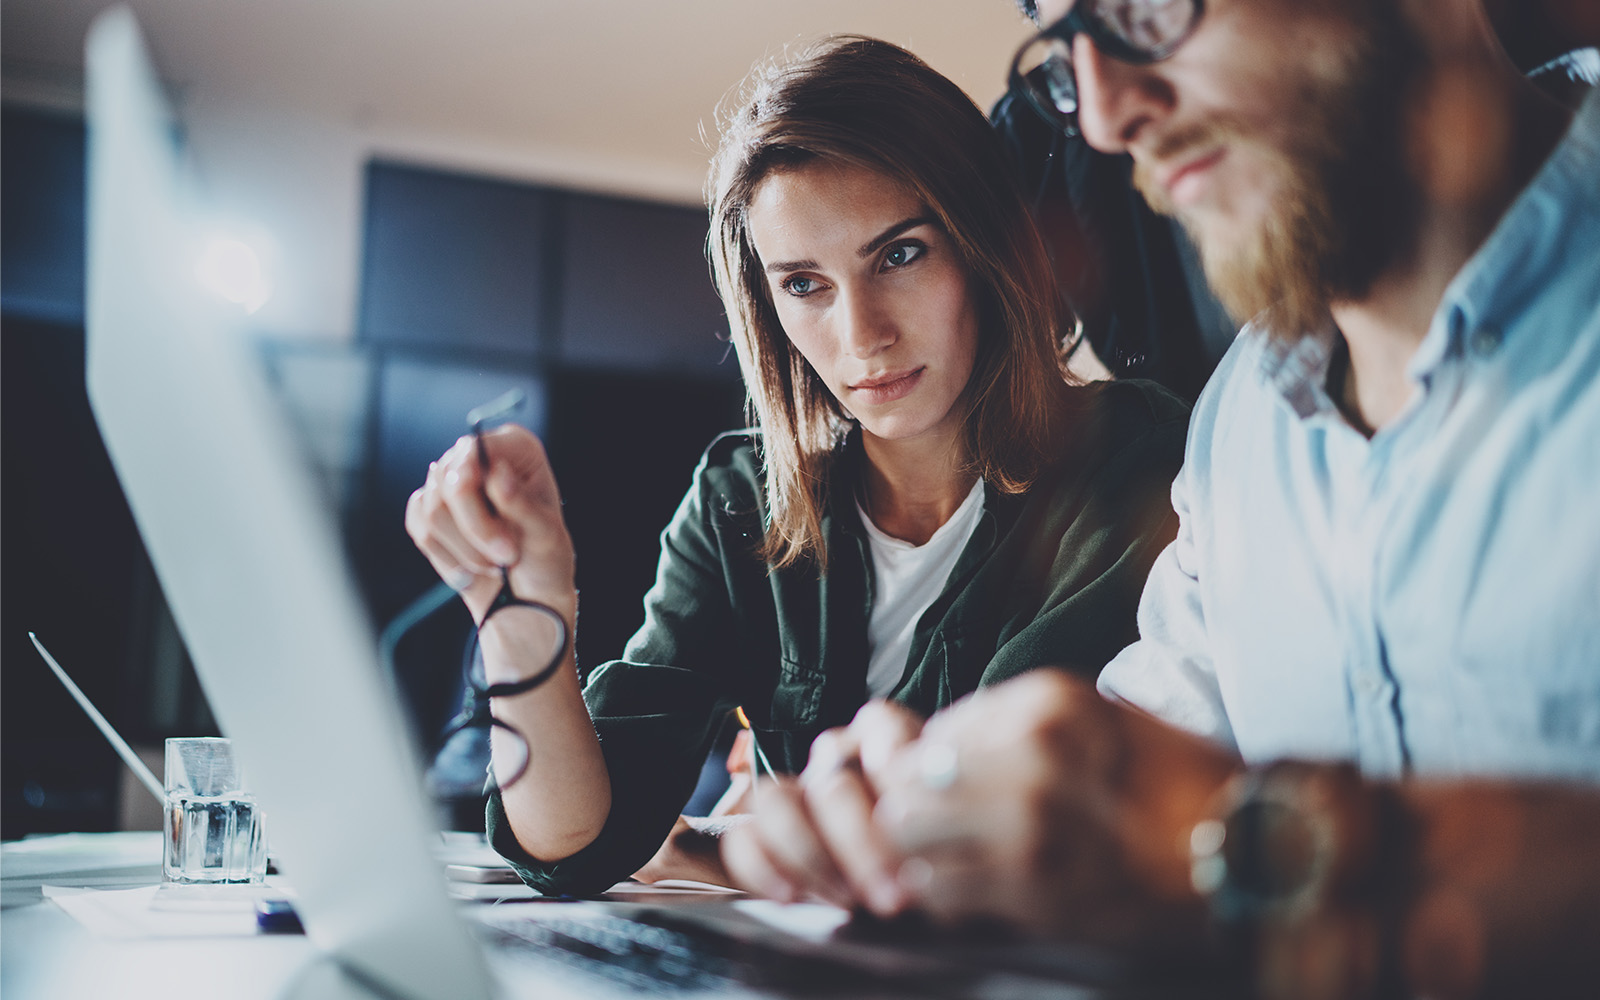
(1239, 381)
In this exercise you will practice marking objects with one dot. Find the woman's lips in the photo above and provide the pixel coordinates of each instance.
(888, 387)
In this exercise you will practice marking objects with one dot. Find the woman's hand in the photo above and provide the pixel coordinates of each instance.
(814, 835)
(691, 851)
(469, 522)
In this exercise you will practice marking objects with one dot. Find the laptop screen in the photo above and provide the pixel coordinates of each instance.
(251, 560)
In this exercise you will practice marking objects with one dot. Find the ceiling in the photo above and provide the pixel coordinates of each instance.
(504, 84)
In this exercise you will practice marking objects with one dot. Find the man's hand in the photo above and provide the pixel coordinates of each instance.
(1041, 804)
(814, 835)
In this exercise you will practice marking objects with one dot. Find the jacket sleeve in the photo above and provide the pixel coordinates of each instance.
(1102, 538)
(656, 709)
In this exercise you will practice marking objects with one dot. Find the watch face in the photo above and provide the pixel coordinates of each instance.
(1271, 849)
(1269, 856)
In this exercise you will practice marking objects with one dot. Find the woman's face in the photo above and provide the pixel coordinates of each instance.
(870, 290)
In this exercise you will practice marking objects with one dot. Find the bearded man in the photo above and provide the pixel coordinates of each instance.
(1359, 737)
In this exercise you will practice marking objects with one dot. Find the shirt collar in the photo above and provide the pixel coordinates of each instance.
(1298, 368)
(1522, 252)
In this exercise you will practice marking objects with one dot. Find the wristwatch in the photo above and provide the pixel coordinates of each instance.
(1292, 841)
(1270, 845)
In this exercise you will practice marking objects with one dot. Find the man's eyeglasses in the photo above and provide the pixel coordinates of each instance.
(1135, 31)
(512, 630)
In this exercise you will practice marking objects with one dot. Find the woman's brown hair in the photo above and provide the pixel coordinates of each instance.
(872, 104)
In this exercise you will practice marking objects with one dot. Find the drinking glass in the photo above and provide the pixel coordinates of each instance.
(213, 827)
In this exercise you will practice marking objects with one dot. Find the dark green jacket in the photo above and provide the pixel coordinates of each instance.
(1049, 577)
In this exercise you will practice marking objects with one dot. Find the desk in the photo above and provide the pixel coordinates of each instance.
(47, 954)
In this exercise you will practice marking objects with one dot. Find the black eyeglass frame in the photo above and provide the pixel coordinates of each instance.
(1077, 21)
(476, 711)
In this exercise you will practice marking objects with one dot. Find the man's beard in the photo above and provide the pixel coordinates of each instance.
(1345, 207)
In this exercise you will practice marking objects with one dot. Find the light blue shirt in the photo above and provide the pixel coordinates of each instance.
(1426, 601)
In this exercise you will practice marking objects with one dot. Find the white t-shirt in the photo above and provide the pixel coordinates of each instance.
(906, 580)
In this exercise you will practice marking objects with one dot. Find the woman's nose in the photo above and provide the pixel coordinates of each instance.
(865, 326)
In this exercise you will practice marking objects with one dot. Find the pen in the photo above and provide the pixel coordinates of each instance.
(755, 744)
(495, 409)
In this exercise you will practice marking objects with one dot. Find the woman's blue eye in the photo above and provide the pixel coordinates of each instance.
(798, 285)
(902, 254)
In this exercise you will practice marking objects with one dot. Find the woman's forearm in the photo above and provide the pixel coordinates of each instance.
(559, 803)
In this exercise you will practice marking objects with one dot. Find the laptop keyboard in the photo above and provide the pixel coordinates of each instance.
(655, 952)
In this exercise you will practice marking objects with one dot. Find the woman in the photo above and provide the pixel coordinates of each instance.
(926, 506)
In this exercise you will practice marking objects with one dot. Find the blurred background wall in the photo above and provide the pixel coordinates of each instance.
(445, 201)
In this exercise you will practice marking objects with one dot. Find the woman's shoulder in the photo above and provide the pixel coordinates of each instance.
(1110, 417)
(1134, 402)
(730, 467)
(733, 452)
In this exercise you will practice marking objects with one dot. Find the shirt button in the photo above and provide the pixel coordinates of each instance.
(1486, 339)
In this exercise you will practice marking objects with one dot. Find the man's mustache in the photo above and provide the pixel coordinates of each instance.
(1174, 147)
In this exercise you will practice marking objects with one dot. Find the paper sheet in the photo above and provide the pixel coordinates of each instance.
(165, 911)
(66, 854)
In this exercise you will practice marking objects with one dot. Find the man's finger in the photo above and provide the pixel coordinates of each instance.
(914, 817)
(952, 886)
(880, 730)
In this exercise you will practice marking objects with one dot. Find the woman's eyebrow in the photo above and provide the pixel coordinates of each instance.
(867, 249)
(785, 266)
(873, 245)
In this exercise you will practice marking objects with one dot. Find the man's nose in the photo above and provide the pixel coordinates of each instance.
(1116, 100)
(864, 328)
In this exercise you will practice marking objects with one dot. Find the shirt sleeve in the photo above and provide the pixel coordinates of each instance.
(1169, 671)
(655, 711)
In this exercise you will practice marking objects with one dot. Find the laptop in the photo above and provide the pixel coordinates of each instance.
(252, 564)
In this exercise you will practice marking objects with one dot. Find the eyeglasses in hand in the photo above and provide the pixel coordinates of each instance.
(512, 630)
(1135, 31)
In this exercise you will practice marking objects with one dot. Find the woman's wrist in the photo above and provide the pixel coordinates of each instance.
(527, 637)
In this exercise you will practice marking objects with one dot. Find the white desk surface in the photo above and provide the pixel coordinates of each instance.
(46, 954)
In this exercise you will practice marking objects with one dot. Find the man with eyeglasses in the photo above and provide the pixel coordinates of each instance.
(1358, 742)
(1132, 277)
